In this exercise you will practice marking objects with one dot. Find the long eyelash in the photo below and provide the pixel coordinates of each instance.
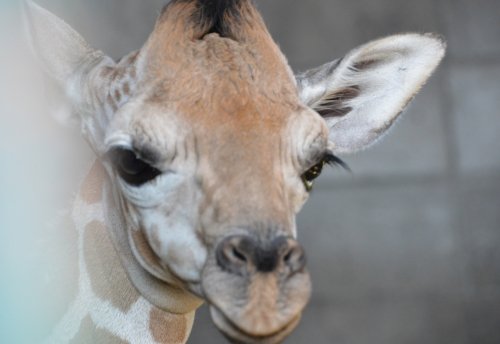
(333, 160)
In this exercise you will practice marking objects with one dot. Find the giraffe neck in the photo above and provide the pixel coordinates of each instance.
(107, 307)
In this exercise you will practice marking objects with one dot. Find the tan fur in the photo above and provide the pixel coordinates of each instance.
(168, 328)
(261, 310)
(107, 277)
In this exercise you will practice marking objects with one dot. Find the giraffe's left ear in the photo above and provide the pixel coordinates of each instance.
(87, 76)
(64, 54)
(361, 95)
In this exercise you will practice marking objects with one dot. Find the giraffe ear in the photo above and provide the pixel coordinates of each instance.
(63, 52)
(361, 95)
(67, 57)
(81, 71)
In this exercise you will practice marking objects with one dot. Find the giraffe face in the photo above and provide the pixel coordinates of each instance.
(211, 144)
(215, 210)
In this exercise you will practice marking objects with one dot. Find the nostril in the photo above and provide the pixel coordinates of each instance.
(295, 258)
(243, 254)
(233, 254)
(288, 256)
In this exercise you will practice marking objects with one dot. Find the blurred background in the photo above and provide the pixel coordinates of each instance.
(404, 250)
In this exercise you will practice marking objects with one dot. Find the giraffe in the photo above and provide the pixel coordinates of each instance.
(106, 307)
(207, 147)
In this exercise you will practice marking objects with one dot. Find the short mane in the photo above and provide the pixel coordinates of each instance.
(215, 16)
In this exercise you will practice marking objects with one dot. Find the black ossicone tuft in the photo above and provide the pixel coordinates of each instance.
(216, 16)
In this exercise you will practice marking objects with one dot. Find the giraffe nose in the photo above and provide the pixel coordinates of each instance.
(241, 254)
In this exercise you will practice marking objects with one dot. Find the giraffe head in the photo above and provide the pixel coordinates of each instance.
(211, 145)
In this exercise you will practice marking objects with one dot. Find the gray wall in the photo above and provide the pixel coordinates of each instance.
(407, 249)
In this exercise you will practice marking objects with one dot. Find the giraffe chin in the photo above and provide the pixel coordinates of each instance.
(238, 336)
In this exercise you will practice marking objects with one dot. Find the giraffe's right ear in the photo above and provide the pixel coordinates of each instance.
(361, 95)
(81, 71)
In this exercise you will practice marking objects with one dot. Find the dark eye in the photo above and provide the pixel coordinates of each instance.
(131, 168)
(315, 171)
(311, 174)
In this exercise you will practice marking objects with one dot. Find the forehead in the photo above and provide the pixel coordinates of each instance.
(219, 91)
(219, 76)
(219, 85)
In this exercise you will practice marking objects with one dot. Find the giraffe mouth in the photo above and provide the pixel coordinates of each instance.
(259, 310)
(238, 335)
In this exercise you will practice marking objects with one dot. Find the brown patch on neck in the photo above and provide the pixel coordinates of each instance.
(168, 328)
(107, 276)
(90, 333)
(91, 189)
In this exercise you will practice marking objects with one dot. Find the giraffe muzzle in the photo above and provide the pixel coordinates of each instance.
(256, 288)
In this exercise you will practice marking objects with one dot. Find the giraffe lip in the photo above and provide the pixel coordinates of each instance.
(235, 332)
(196, 289)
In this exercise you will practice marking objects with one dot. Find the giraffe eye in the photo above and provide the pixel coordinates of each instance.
(311, 174)
(314, 172)
(131, 168)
